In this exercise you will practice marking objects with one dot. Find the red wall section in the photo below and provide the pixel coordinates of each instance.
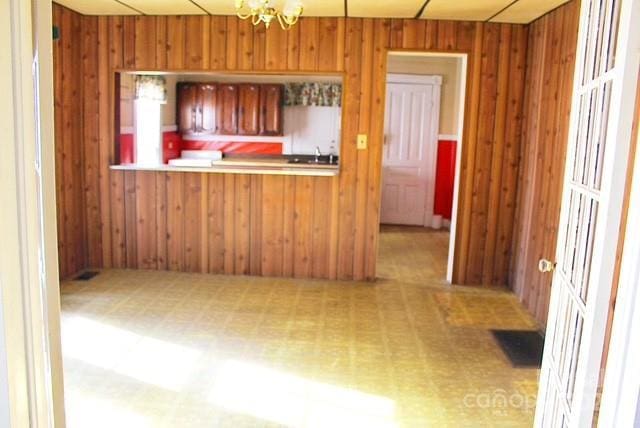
(445, 176)
(235, 147)
(173, 144)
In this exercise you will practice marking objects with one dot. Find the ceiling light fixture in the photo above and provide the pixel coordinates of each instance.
(263, 11)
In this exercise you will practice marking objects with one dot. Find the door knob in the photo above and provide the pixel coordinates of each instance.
(545, 266)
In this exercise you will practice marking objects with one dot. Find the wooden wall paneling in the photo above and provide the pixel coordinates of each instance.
(90, 139)
(497, 159)
(146, 220)
(259, 47)
(71, 133)
(204, 223)
(293, 48)
(362, 157)
(231, 43)
(145, 42)
(130, 220)
(303, 225)
(105, 140)
(59, 144)
(333, 229)
(330, 41)
(161, 221)
(175, 42)
(229, 223)
(447, 35)
(396, 37)
(414, 33)
(217, 45)
(118, 214)
(319, 257)
(175, 221)
(309, 40)
(348, 154)
(288, 229)
(465, 36)
(245, 45)
(484, 152)
(242, 224)
(197, 40)
(193, 233)
(276, 49)
(161, 42)
(508, 181)
(256, 225)
(376, 111)
(216, 220)
(272, 236)
(547, 102)
(129, 42)
(431, 35)
(468, 158)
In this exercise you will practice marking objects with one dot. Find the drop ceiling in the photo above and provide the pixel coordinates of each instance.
(515, 11)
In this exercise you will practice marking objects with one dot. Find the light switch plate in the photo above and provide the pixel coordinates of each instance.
(362, 141)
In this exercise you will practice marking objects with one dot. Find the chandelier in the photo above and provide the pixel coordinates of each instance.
(262, 11)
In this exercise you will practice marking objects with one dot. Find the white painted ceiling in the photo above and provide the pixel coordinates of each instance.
(515, 11)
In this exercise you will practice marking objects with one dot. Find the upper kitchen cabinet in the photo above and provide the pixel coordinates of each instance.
(197, 108)
(249, 109)
(271, 109)
(227, 109)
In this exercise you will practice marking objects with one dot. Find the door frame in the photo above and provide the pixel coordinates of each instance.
(31, 385)
(462, 79)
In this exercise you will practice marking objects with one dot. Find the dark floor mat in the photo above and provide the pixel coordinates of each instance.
(85, 276)
(522, 347)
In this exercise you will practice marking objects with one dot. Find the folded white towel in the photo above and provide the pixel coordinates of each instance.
(202, 154)
(191, 162)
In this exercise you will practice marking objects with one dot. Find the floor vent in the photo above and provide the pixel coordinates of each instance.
(85, 276)
(522, 347)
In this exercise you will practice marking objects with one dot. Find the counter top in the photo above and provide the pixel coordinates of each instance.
(245, 165)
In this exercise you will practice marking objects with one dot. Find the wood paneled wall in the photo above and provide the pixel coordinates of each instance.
(550, 68)
(69, 140)
(255, 223)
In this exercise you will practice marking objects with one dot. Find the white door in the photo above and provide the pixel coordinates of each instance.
(598, 146)
(410, 149)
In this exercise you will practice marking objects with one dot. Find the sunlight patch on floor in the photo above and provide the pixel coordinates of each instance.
(140, 357)
(295, 401)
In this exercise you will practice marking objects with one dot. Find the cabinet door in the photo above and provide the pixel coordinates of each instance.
(249, 110)
(207, 99)
(227, 109)
(271, 109)
(187, 108)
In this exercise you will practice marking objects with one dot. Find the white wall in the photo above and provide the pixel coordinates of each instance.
(306, 128)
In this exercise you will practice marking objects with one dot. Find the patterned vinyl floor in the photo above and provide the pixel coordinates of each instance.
(161, 349)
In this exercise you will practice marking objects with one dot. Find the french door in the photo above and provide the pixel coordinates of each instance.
(598, 146)
(410, 149)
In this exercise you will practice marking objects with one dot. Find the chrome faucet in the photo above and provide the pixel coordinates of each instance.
(318, 154)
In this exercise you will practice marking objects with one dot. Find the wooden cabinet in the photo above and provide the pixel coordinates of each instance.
(187, 107)
(229, 109)
(271, 109)
(207, 104)
(248, 109)
(197, 108)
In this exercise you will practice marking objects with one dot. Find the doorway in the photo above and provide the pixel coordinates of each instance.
(424, 116)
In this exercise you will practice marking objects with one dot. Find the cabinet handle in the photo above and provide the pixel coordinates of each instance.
(193, 120)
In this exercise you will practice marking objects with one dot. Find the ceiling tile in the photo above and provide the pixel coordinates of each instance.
(97, 7)
(323, 7)
(468, 10)
(384, 8)
(218, 7)
(165, 7)
(525, 11)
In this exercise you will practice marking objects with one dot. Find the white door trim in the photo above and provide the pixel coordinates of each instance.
(621, 392)
(29, 350)
(414, 79)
